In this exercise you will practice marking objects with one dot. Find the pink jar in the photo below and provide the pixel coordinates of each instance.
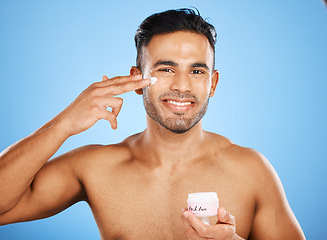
(203, 205)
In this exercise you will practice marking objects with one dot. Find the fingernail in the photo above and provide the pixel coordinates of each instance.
(224, 215)
(185, 214)
(138, 76)
(146, 81)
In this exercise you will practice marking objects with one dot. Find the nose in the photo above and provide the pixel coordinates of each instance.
(181, 82)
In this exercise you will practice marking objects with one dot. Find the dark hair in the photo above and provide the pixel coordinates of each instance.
(171, 21)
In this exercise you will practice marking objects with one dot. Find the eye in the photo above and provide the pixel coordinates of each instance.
(165, 70)
(197, 71)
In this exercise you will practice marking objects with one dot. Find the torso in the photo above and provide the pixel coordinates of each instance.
(131, 200)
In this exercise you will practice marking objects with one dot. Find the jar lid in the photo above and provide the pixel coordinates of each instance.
(202, 197)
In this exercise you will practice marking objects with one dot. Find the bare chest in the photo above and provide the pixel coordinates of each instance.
(137, 205)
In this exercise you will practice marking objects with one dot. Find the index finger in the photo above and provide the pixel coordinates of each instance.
(120, 79)
(199, 226)
(207, 231)
(127, 86)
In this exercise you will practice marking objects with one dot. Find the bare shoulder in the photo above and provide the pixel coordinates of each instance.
(90, 158)
(244, 161)
(273, 215)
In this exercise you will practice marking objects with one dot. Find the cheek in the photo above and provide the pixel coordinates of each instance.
(151, 92)
(159, 84)
(202, 88)
(153, 80)
(162, 79)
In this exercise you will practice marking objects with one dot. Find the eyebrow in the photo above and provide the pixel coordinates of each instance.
(165, 62)
(174, 64)
(201, 65)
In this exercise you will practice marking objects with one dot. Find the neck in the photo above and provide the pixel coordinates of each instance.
(165, 148)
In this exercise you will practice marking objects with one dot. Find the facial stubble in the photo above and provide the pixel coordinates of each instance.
(179, 124)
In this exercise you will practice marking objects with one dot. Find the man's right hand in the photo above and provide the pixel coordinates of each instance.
(28, 180)
(91, 105)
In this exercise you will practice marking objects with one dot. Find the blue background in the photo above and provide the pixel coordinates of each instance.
(271, 96)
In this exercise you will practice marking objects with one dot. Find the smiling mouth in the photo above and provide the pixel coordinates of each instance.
(178, 106)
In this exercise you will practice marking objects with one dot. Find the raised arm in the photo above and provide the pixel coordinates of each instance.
(54, 188)
(24, 174)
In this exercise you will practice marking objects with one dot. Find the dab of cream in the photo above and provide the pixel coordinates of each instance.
(153, 80)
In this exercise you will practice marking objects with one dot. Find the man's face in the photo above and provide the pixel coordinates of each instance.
(182, 62)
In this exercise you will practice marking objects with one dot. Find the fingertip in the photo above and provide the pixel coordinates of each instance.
(222, 212)
(137, 76)
(113, 124)
(185, 214)
(104, 78)
(146, 81)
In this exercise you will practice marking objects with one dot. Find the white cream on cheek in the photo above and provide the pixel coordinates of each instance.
(148, 76)
(153, 80)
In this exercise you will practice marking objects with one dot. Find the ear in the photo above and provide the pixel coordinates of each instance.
(214, 82)
(136, 71)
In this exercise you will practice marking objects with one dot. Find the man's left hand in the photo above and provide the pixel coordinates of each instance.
(225, 227)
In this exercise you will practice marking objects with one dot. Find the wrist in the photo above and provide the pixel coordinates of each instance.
(58, 127)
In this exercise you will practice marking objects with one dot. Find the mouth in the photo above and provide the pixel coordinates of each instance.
(178, 105)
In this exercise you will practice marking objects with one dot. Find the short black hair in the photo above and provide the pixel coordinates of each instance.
(170, 21)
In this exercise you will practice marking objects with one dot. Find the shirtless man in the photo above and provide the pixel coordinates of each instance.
(137, 189)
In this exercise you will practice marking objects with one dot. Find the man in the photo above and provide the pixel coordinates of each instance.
(136, 189)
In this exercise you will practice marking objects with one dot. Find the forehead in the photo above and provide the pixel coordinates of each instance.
(180, 47)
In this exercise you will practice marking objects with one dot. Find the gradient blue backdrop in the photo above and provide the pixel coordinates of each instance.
(271, 96)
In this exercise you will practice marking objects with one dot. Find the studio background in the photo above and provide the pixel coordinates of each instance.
(271, 56)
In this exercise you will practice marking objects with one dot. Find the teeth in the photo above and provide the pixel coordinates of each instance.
(179, 103)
